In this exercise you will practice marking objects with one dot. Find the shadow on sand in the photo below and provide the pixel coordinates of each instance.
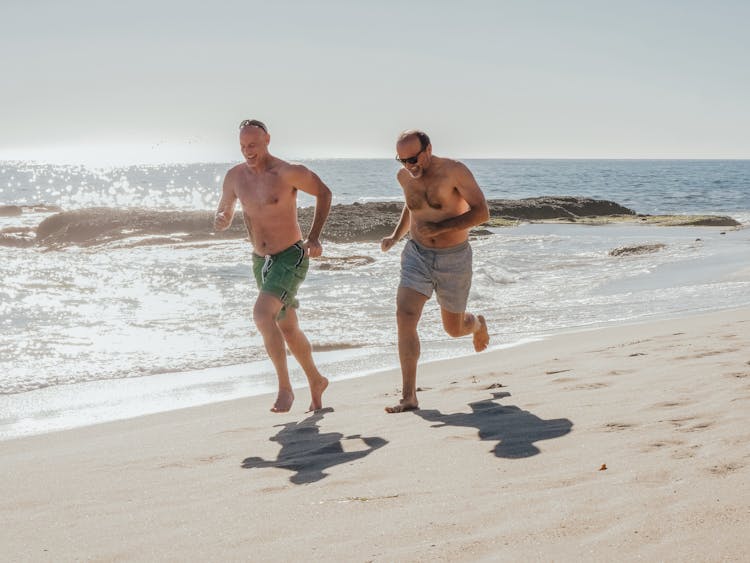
(514, 429)
(308, 453)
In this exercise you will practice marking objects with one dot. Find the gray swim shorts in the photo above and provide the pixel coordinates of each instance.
(446, 270)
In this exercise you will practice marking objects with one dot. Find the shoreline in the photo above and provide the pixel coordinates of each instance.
(151, 388)
(630, 442)
(679, 278)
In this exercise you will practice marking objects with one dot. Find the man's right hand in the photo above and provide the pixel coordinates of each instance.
(387, 243)
(221, 221)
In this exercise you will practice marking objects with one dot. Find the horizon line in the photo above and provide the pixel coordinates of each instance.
(178, 162)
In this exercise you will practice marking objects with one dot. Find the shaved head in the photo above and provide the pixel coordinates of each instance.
(253, 123)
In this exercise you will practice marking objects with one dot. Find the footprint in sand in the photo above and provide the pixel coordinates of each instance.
(685, 453)
(681, 421)
(660, 444)
(195, 462)
(697, 427)
(564, 380)
(669, 404)
(553, 372)
(620, 371)
(738, 374)
(617, 426)
(707, 354)
(725, 469)
(587, 386)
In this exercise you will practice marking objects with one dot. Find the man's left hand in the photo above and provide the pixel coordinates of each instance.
(313, 248)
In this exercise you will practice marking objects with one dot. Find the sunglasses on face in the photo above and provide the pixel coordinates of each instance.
(411, 159)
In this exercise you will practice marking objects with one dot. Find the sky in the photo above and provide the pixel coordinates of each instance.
(161, 81)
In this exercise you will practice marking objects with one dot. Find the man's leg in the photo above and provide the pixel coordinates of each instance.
(266, 309)
(461, 324)
(302, 351)
(409, 305)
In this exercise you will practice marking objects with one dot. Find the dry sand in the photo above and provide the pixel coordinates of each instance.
(506, 461)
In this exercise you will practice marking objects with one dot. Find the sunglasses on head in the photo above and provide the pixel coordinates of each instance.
(411, 159)
(254, 123)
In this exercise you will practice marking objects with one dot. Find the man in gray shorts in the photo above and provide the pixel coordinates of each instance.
(443, 202)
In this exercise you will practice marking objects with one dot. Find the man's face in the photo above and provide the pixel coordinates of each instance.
(253, 143)
(411, 149)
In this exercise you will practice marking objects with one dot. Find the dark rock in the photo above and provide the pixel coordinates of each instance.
(360, 222)
(636, 249)
(548, 207)
(10, 210)
(357, 222)
(342, 262)
(98, 225)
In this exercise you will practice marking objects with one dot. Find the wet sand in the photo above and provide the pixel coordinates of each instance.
(621, 443)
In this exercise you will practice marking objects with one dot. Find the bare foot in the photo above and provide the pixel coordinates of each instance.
(316, 392)
(403, 406)
(481, 336)
(284, 401)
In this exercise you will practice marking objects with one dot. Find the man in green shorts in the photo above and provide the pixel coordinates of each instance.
(282, 274)
(266, 187)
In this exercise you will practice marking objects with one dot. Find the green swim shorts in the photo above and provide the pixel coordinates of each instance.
(281, 274)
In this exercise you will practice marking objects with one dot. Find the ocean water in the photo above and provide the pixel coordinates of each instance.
(97, 333)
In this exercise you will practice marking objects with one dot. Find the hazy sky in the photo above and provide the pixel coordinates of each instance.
(146, 81)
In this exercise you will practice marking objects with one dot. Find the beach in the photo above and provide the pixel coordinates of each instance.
(620, 443)
(572, 176)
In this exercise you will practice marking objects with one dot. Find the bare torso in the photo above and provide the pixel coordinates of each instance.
(432, 198)
(269, 205)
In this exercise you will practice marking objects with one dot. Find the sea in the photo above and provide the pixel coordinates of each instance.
(90, 334)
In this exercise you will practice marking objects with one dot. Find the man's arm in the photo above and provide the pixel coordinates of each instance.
(401, 229)
(308, 181)
(225, 211)
(471, 193)
(404, 222)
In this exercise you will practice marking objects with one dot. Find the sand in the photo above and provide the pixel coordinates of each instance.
(616, 444)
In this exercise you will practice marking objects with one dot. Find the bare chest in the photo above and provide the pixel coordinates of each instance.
(265, 193)
(441, 196)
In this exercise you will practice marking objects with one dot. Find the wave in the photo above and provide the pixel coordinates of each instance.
(16, 210)
(18, 237)
(102, 225)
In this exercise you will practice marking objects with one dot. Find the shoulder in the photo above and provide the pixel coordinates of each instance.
(452, 166)
(299, 176)
(292, 170)
(233, 173)
(295, 168)
(234, 170)
(457, 171)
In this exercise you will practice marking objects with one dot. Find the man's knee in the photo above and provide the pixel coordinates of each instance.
(454, 328)
(288, 327)
(264, 316)
(455, 324)
(407, 315)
